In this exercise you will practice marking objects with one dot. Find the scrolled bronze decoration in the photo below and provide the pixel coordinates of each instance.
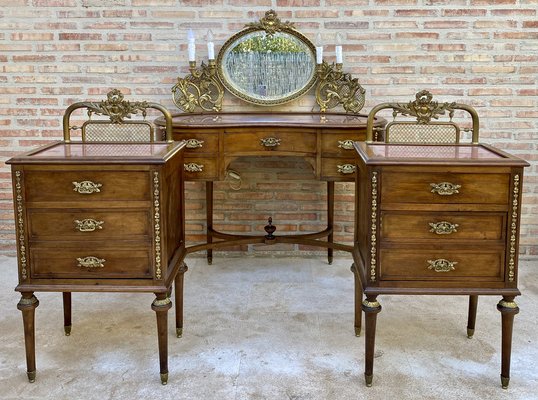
(270, 142)
(91, 262)
(194, 143)
(87, 187)
(193, 167)
(443, 227)
(346, 168)
(88, 225)
(116, 108)
(442, 265)
(271, 23)
(346, 144)
(445, 188)
(424, 108)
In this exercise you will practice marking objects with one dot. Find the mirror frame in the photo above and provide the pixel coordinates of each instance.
(271, 24)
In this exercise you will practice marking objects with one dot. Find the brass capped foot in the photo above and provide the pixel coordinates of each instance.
(164, 378)
(31, 376)
(368, 379)
(504, 382)
(209, 260)
(330, 260)
(357, 331)
(179, 332)
(470, 333)
(67, 330)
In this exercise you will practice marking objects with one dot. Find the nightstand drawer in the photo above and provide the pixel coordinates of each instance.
(91, 261)
(449, 263)
(343, 168)
(426, 187)
(266, 141)
(440, 227)
(86, 185)
(94, 224)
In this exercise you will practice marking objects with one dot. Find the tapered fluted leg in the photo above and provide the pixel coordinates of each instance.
(179, 298)
(27, 305)
(471, 319)
(508, 308)
(67, 312)
(371, 308)
(330, 218)
(209, 218)
(358, 301)
(161, 305)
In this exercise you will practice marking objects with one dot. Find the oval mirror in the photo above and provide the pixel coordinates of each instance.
(268, 63)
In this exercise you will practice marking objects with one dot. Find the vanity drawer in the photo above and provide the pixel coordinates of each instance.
(265, 141)
(441, 227)
(86, 185)
(107, 263)
(339, 143)
(200, 168)
(444, 188)
(426, 264)
(197, 143)
(92, 224)
(342, 168)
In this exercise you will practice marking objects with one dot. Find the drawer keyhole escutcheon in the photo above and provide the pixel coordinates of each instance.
(194, 143)
(193, 167)
(346, 144)
(442, 265)
(87, 187)
(91, 262)
(270, 142)
(88, 225)
(445, 188)
(443, 227)
(346, 168)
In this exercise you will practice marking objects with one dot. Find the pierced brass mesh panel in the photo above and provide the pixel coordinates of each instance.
(104, 131)
(411, 132)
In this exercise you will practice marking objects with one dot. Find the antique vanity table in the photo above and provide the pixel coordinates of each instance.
(437, 220)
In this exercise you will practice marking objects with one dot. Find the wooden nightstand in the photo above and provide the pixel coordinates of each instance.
(98, 217)
(436, 219)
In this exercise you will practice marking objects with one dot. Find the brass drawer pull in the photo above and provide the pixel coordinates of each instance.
(194, 143)
(270, 142)
(88, 225)
(91, 262)
(443, 227)
(442, 265)
(86, 187)
(445, 188)
(193, 167)
(346, 144)
(346, 168)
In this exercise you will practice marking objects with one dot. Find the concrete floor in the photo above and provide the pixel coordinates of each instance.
(276, 328)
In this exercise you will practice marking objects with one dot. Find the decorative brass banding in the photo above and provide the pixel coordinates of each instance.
(373, 236)
(88, 225)
(346, 144)
(443, 227)
(370, 304)
(87, 187)
(91, 262)
(346, 168)
(270, 142)
(194, 143)
(157, 222)
(162, 302)
(27, 301)
(445, 188)
(193, 167)
(507, 304)
(21, 234)
(442, 265)
(513, 230)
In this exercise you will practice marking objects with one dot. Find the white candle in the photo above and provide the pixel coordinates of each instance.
(319, 49)
(338, 48)
(191, 45)
(210, 45)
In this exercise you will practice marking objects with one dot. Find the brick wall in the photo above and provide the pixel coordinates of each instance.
(481, 52)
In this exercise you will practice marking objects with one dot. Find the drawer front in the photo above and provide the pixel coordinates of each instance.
(449, 263)
(441, 227)
(200, 168)
(92, 262)
(86, 185)
(338, 168)
(94, 224)
(266, 141)
(425, 187)
(199, 142)
(339, 144)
